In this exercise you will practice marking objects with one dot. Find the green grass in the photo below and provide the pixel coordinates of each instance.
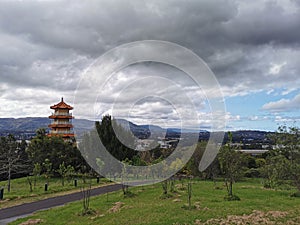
(20, 190)
(148, 208)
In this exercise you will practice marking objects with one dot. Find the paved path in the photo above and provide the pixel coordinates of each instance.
(29, 208)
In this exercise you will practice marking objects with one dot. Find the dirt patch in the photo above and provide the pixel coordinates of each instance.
(256, 217)
(31, 221)
(116, 208)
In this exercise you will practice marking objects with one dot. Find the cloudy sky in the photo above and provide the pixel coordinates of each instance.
(252, 47)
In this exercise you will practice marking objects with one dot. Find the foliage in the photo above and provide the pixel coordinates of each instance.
(111, 141)
(296, 194)
(288, 140)
(56, 150)
(232, 198)
(231, 164)
(36, 172)
(29, 180)
(86, 195)
(192, 166)
(165, 186)
(213, 170)
(13, 159)
(48, 169)
(62, 172)
(283, 162)
(275, 171)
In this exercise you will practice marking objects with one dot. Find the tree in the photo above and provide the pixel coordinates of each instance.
(32, 178)
(13, 158)
(275, 171)
(48, 169)
(287, 141)
(192, 166)
(212, 171)
(62, 172)
(70, 173)
(56, 150)
(86, 195)
(36, 172)
(39, 147)
(231, 164)
(106, 131)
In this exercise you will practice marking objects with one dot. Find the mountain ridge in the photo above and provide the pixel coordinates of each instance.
(25, 128)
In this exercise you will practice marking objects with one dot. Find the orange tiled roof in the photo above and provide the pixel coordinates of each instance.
(61, 105)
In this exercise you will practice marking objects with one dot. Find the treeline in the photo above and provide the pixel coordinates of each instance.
(54, 157)
(44, 155)
(278, 168)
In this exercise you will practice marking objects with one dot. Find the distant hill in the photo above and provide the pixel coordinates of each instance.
(24, 128)
(24, 124)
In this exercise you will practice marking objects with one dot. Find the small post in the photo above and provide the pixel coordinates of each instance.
(75, 182)
(98, 180)
(46, 187)
(189, 194)
(1, 193)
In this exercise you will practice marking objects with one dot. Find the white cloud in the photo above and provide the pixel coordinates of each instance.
(284, 105)
(286, 119)
(276, 68)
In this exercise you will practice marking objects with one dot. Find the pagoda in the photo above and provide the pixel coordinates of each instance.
(62, 121)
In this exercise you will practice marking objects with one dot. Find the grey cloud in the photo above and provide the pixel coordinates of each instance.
(94, 26)
(48, 44)
(266, 23)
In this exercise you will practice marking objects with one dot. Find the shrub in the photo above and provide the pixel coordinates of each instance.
(232, 198)
(296, 195)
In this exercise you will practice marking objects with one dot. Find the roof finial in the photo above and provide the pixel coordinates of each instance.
(62, 99)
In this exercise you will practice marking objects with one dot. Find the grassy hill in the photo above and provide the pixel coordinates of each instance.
(257, 206)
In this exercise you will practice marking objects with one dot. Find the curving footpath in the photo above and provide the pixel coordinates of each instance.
(28, 208)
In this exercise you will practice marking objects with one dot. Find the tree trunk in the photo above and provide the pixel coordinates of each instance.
(9, 177)
(227, 187)
(34, 182)
(230, 188)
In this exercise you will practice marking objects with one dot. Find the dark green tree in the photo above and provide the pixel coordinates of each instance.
(56, 150)
(112, 142)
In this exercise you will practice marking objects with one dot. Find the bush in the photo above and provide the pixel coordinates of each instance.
(232, 198)
(187, 207)
(253, 172)
(129, 194)
(296, 195)
(165, 196)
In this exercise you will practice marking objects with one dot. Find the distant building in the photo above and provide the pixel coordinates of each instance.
(167, 143)
(143, 144)
(62, 121)
(254, 151)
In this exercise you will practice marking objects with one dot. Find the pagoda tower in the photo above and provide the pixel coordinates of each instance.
(62, 121)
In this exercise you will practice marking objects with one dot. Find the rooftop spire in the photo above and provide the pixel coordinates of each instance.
(62, 99)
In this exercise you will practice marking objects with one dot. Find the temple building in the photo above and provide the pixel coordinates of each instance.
(62, 121)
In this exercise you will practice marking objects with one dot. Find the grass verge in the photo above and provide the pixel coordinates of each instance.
(20, 191)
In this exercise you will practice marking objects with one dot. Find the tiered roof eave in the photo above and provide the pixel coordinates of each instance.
(61, 105)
